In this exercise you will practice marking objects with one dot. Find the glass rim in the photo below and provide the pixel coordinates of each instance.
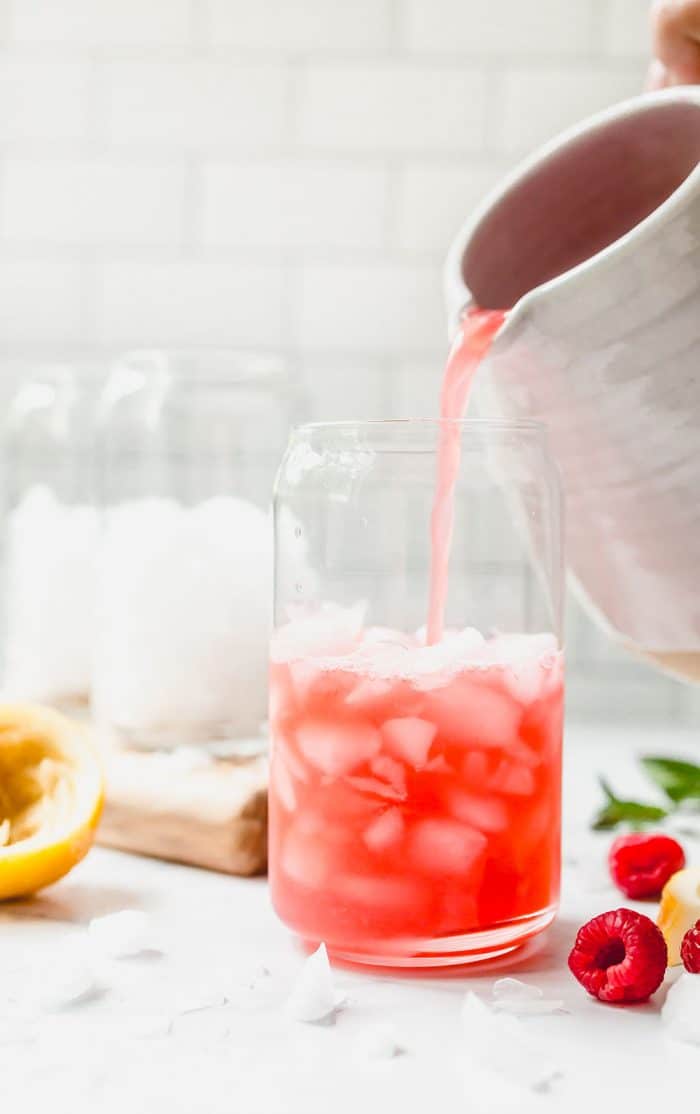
(496, 425)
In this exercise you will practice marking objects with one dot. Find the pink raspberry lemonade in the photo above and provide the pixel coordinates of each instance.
(415, 794)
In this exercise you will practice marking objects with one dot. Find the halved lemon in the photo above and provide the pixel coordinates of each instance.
(51, 793)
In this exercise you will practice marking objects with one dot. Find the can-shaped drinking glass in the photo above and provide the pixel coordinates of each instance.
(415, 786)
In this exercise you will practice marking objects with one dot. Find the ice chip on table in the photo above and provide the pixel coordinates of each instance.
(440, 846)
(514, 988)
(385, 832)
(127, 933)
(522, 999)
(183, 615)
(337, 748)
(680, 1014)
(313, 997)
(379, 1041)
(64, 980)
(51, 563)
(409, 738)
(326, 631)
(500, 1044)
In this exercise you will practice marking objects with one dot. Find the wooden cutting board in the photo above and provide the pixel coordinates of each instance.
(213, 815)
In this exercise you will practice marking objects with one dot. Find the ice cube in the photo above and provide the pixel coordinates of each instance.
(68, 979)
(313, 997)
(329, 631)
(525, 682)
(523, 999)
(439, 846)
(377, 788)
(680, 1014)
(127, 933)
(529, 1007)
(282, 747)
(388, 769)
(472, 712)
(50, 574)
(183, 615)
(368, 693)
(501, 1045)
(409, 738)
(514, 779)
(514, 988)
(387, 636)
(476, 768)
(379, 1041)
(305, 676)
(282, 784)
(337, 748)
(402, 900)
(485, 812)
(386, 832)
(307, 857)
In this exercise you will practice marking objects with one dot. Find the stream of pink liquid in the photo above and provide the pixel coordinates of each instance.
(477, 330)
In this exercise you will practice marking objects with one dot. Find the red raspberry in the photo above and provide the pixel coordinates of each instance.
(641, 864)
(619, 956)
(690, 949)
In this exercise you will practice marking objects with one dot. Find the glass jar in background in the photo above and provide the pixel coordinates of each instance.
(187, 448)
(50, 536)
(414, 788)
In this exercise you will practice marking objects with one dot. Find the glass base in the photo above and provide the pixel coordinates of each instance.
(451, 951)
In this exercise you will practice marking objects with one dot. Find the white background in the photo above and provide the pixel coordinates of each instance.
(288, 174)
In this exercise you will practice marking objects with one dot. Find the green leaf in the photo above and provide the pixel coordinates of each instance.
(616, 811)
(680, 781)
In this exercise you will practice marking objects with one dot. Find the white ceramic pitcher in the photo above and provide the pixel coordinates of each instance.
(595, 244)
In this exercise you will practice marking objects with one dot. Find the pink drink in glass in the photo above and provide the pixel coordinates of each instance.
(409, 809)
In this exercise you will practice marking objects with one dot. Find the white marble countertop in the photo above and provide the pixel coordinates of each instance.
(134, 1045)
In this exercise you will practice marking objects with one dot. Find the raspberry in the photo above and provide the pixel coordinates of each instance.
(641, 865)
(619, 956)
(690, 949)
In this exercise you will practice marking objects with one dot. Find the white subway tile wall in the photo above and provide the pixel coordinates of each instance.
(289, 174)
